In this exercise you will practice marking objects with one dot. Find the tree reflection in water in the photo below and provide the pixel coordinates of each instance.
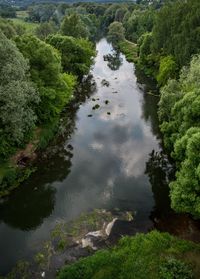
(160, 173)
(34, 200)
(114, 60)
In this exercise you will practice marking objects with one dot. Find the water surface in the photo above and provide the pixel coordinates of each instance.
(107, 162)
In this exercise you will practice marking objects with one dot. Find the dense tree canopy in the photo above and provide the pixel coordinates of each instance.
(72, 25)
(45, 29)
(179, 112)
(41, 13)
(116, 32)
(75, 53)
(7, 11)
(175, 34)
(9, 29)
(138, 23)
(18, 98)
(176, 30)
(46, 71)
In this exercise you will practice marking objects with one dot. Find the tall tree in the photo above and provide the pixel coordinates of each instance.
(55, 88)
(76, 54)
(179, 114)
(116, 32)
(72, 25)
(18, 98)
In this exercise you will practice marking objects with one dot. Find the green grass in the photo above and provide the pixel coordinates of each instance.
(21, 20)
(29, 26)
(130, 50)
(151, 256)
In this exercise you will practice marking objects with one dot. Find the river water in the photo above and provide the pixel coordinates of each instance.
(111, 159)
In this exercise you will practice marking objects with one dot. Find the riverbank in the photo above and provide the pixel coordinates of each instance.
(22, 164)
(130, 50)
(92, 246)
(107, 156)
(154, 255)
(70, 241)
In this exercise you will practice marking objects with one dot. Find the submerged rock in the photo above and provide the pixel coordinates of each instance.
(104, 82)
(96, 106)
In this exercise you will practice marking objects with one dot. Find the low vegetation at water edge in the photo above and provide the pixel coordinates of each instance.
(153, 256)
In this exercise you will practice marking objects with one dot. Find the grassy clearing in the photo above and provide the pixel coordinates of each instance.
(21, 20)
(153, 256)
(130, 50)
(28, 26)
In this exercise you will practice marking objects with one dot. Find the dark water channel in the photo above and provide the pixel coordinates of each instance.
(111, 159)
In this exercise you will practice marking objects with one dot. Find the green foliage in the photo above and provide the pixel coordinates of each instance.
(45, 29)
(116, 32)
(139, 257)
(167, 69)
(109, 15)
(47, 133)
(73, 26)
(173, 268)
(180, 117)
(176, 30)
(175, 37)
(7, 11)
(147, 61)
(138, 23)
(145, 45)
(120, 13)
(92, 24)
(24, 27)
(55, 88)
(41, 13)
(8, 28)
(18, 98)
(129, 49)
(185, 190)
(75, 53)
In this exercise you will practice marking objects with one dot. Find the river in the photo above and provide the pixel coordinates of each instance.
(112, 158)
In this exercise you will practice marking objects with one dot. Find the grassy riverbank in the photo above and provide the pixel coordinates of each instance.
(130, 50)
(154, 255)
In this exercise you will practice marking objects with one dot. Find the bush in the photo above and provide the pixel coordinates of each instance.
(175, 269)
(168, 69)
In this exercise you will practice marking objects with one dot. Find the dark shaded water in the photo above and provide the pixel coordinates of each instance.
(113, 159)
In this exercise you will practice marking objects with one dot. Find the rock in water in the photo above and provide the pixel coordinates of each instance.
(110, 226)
(104, 82)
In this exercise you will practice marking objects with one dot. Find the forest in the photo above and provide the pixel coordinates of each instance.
(47, 49)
